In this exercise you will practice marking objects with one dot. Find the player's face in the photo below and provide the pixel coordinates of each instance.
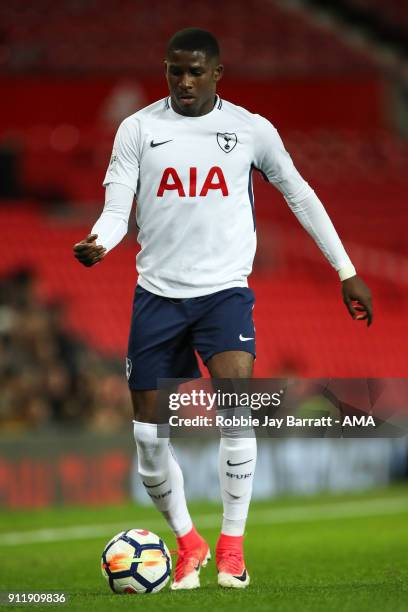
(192, 80)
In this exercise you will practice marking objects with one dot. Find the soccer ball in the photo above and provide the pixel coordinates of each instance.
(136, 561)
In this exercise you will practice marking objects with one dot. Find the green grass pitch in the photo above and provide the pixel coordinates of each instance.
(330, 553)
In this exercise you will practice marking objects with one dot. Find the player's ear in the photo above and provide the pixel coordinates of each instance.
(218, 72)
(165, 66)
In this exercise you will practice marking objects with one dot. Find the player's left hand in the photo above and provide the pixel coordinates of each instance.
(357, 298)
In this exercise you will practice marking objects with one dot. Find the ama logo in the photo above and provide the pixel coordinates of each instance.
(171, 181)
(359, 421)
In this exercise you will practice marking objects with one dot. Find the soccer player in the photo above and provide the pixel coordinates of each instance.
(188, 159)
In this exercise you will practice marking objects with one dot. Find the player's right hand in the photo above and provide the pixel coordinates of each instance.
(88, 252)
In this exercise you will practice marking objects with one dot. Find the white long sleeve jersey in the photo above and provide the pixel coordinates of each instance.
(192, 177)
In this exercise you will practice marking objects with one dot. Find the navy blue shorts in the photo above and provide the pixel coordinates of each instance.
(165, 333)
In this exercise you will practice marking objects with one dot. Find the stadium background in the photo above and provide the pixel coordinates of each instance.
(332, 77)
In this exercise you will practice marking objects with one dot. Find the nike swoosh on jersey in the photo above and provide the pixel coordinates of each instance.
(157, 144)
(242, 462)
(243, 338)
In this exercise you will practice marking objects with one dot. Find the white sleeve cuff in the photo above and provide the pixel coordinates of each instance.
(347, 272)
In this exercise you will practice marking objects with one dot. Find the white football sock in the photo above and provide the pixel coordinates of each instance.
(236, 468)
(162, 476)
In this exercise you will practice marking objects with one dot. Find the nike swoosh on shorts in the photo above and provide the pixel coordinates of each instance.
(243, 338)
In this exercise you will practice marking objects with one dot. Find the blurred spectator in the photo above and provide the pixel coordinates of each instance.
(47, 376)
(10, 169)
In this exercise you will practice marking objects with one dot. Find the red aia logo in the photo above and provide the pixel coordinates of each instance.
(170, 181)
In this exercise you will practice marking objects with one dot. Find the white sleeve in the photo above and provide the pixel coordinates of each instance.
(124, 163)
(112, 225)
(275, 163)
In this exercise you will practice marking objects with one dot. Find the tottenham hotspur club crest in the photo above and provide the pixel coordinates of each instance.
(226, 141)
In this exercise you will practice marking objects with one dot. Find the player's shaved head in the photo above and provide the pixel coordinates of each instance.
(194, 39)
